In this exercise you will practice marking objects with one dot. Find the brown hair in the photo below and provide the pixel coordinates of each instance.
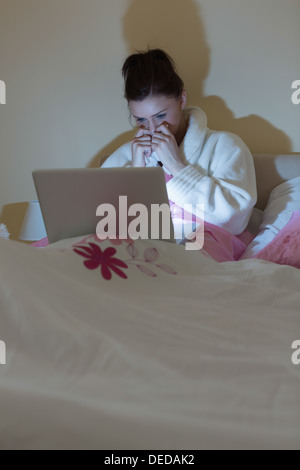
(150, 73)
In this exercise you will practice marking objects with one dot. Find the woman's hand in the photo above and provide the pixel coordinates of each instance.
(141, 147)
(165, 145)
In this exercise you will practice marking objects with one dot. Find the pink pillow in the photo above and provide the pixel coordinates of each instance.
(222, 245)
(285, 247)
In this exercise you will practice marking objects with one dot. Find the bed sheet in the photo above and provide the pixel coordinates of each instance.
(145, 345)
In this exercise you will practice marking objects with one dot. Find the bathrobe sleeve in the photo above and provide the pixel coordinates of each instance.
(222, 179)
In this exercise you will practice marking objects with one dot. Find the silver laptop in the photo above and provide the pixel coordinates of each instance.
(117, 202)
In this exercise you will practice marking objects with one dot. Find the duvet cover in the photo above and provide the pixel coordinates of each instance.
(146, 345)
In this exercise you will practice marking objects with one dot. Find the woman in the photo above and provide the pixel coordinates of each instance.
(201, 166)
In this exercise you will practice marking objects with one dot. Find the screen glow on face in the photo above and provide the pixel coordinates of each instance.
(154, 111)
(157, 120)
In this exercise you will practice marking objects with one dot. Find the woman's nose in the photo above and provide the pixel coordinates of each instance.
(152, 127)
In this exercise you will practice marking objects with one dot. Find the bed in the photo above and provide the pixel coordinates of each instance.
(146, 345)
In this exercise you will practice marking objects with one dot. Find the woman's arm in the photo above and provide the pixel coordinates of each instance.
(223, 180)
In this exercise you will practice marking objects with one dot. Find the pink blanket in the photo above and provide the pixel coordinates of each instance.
(219, 244)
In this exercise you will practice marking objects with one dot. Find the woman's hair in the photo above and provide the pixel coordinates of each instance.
(150, 73)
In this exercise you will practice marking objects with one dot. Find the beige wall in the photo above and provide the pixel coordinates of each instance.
(61, 60)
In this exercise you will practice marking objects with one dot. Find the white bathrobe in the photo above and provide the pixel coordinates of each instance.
(219, 173)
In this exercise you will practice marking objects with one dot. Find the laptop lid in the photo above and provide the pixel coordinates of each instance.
(117, 201)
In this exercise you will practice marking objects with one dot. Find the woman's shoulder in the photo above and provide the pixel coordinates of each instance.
(198, 120)
(226, 140)
(196, 117)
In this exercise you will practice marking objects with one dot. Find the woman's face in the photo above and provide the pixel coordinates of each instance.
(155, 110)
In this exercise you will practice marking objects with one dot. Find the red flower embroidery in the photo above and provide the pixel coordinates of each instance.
(97, 257)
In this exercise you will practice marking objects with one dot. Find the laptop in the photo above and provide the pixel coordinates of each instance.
(112, 202)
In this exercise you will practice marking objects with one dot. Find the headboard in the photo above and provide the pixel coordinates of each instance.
(271, 170)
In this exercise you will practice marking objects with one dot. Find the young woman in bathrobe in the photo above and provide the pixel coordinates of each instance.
(201, 166)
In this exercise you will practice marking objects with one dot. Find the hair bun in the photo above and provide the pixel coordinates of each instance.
(150, 72)
(129, 63)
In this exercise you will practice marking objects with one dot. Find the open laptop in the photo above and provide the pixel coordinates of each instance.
(78, 202)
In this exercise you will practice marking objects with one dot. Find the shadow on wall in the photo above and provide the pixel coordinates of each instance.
(177, 27)
(259, 134)
(101, 156)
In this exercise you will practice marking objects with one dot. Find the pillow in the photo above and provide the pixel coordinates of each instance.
(285, 247)
(283, 201)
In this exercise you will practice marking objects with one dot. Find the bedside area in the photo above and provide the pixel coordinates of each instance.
(23, 221)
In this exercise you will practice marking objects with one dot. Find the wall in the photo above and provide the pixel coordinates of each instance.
(61, 60)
